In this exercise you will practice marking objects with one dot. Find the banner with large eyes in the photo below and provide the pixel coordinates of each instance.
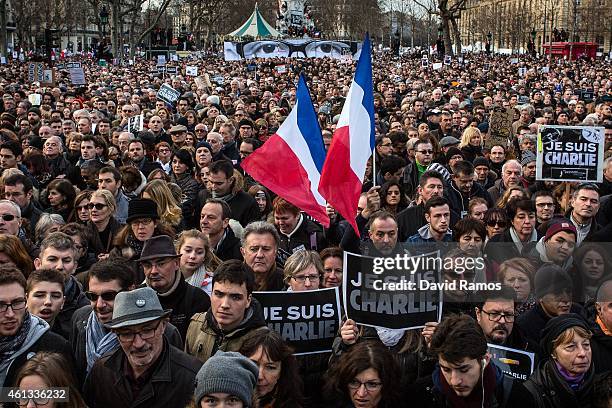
(296, 48)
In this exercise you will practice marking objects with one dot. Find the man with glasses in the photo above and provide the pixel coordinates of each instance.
(10, 219)
(495, 314)
(21, 333)
(146, 370)
(89, 339)
(545, 206)
(200, 131)
(423, 158)
(233, 313)
(160, 264)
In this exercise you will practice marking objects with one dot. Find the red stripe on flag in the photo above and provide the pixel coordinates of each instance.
(339, 184)
(276, 167)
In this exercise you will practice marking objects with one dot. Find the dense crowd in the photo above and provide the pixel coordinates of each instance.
(128, 258)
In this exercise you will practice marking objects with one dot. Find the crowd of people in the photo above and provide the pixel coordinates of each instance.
(129, 258)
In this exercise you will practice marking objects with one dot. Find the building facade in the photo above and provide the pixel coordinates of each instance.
(513, 24)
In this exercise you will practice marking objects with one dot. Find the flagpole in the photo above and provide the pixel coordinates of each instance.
(374, 167)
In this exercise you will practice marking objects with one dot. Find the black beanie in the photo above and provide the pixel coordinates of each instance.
(481, 161)
(555, 327)
(453, 151)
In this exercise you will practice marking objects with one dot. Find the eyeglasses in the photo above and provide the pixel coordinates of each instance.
(143, 221)
(8, 217)
(493, 223)
(144, 334)
(496, 316)
(544, 205)
(23, 402)
(158, 264)
(200, 130)
(369, 385)
(81, 207)
(106, 296)
(425, 151)
(387, 144)
(302, 279)
(97, 206)
(15, 305)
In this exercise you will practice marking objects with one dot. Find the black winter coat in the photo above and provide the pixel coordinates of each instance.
(171, 383)
(185, 301)
(244, 208)
(308, 235)
(547, 389)
(78, 339)
(229, 248)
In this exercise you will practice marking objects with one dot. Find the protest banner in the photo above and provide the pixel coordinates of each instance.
(500, 127)
(161, 59)
(168, 94)
(308, 320)
(135, 124)
(448, 60)
(171, 70)
(586, 95)
(391, 297)
(281, 69)
(31, 72)
(517, 364)
(77, 75)
(191, 70)
(522, 71)
(570, 153)
(436, 66)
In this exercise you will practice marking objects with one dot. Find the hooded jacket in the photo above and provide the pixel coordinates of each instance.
(39, 338)
(205, 337)
(460, 202)
(75, 299)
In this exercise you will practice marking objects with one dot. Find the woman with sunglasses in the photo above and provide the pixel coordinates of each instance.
(81, 203)
(103, 227)
(365, 376)
(496, 221)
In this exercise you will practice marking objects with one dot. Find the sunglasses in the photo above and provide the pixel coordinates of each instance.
(493, 223)
(97, 206)
(8, 217)
(106, 296)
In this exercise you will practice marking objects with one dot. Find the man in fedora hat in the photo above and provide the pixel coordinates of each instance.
(146, 371)
(160, 264)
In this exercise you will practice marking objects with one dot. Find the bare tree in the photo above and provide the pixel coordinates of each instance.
(449, 11)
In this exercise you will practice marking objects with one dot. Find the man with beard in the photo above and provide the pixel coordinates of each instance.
(412, 218)
(495, 314)
(380, 227)
(89, 339)
(146, 370)
(545, 206)
(437, 229)
(136, 154)
(21, 334)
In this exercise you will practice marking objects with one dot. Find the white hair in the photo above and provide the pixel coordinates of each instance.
(13, 205)
(514, 162)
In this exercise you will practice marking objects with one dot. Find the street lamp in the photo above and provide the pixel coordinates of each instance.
(104, 20)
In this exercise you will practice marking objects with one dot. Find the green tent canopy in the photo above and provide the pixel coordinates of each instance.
(255, 27)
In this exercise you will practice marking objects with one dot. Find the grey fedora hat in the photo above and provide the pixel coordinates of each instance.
(160, 246)
(136, 307)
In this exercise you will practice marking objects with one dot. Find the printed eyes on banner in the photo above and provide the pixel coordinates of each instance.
(265, 49)
(593, 136)
(332, 49)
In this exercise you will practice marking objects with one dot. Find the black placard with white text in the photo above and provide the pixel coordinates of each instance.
(404, 298)
(570, 153)
(517, 364)
(307, 320)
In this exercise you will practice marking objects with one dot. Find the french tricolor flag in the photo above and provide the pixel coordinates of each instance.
(352, 144)
(290, 161)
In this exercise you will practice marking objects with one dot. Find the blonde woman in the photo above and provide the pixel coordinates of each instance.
(471, 144)
(168, 208)
(102, 226)
(198, 262)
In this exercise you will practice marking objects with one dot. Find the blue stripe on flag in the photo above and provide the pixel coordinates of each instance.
(309, 125)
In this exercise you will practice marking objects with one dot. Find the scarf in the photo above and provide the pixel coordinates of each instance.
(202, 279)
(136, 245)
(177, 280)
(71, 290)
(225, 198)
(517, 241)
(98, 340)
(603, 327)
(574, 381)
(10, 344)
(390, 337)
(474, 400)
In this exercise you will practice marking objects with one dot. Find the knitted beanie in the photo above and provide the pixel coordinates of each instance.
(227, 372)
